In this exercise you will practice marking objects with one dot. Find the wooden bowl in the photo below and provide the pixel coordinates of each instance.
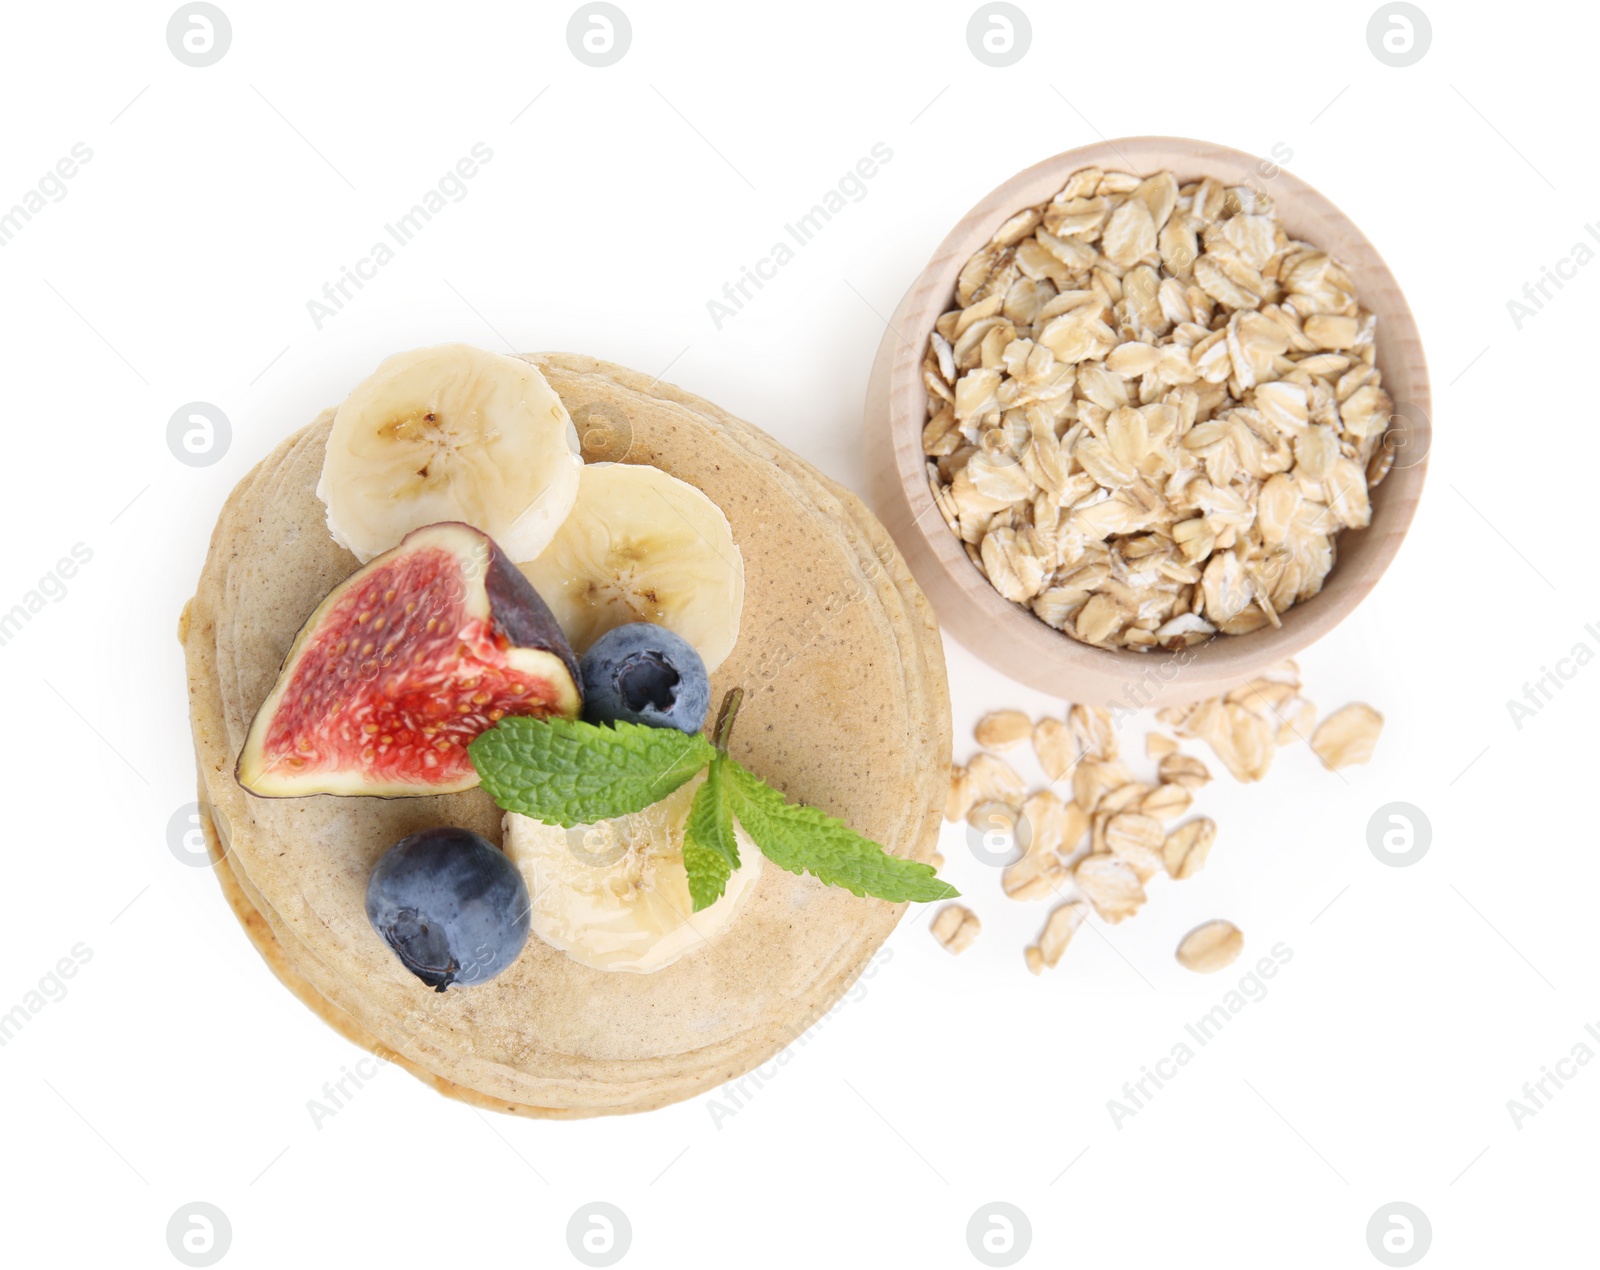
(1008, 636)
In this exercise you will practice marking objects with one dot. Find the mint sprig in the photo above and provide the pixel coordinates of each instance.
(568, 773)
(565, 772)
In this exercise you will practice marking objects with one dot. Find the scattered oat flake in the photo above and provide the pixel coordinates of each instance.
(994, 780)
(1136, 838)
(1052, 743)
(1123, 798)
(1252, 741)
(1036, 876)
(1210, 947)
(955, 927)
(1045, 818)
(1185, 850)
(1003, 730)
(1093, 780)
(1166, 802)
(1185, 770)
(1059, 928)
(1111, 885)
(1348, 736)
(1158, 745)
(1092, 732)
(1298, 718)
(995, 819)
(1074, 824)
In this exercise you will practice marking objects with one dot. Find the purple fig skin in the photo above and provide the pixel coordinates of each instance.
(521, 612)
(523, 629)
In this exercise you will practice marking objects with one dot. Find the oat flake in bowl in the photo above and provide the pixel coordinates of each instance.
(1153, 412)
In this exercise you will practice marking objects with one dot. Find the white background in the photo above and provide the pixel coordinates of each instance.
(177, 268)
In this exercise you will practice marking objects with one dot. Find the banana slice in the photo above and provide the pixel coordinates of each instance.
(643, 546)
(450, 433)
(615, 895)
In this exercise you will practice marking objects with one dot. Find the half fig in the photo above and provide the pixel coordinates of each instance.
(404, 664)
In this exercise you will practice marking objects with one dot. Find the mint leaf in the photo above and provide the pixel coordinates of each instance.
(802, 839)
(710, 853)
(708, 874)
(711, 814)
(564, 772)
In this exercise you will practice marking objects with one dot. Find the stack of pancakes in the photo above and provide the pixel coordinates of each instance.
(846, 708)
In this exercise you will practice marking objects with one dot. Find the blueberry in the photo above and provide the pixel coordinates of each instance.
(643, 673)
(452, 906)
